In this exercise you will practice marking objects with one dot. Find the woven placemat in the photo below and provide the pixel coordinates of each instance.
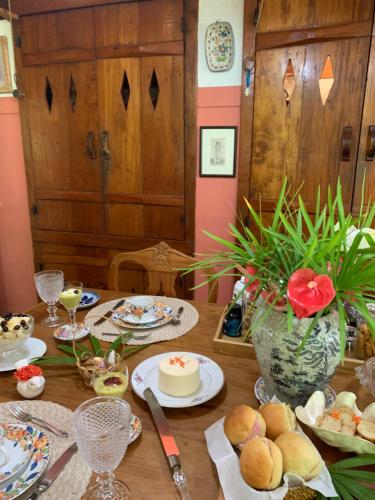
(107, 331)
(76, 474)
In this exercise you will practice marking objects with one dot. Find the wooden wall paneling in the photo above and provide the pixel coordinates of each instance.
(281, 15)
(124, 220)
(25, 7)
(276, 124)
(122, 121)
(247, 107)
(58, 37)
(164, 223)
(138, 23)
(321, 130)
(364, 166)
(62, 161)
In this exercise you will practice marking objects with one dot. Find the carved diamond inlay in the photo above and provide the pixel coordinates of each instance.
(154, 89)
(326, 80)
(289, 81)
(48, 94)
(125, 90)
(72, 94)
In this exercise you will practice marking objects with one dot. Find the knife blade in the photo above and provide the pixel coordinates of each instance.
(109, 313)
(169, 444)
(54, 471)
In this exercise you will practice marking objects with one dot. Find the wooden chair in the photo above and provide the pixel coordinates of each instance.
(162, 264)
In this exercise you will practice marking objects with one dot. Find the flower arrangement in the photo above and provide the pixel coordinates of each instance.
(306, 265)
(27, 372)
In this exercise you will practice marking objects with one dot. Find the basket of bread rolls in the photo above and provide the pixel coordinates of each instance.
(264, 454)
(343, 425)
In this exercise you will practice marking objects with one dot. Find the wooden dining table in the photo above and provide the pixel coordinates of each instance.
(144, 467)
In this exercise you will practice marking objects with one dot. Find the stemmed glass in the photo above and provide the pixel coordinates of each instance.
(102, 429)
(70, 297)
(49, 284)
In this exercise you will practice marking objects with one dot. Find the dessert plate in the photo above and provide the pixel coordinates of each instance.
(263, 397)
(32, 348)
(34, 468)
(18, 445)
(135, 428)
(146, 374)
(88, 299)
(161, 314)
(64, 332)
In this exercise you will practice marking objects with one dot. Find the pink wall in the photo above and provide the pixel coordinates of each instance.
(216, 198)
(17, 292)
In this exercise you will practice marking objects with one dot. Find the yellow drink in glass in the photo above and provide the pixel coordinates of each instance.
(70, 298)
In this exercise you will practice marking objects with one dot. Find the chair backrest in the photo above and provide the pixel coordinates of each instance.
(162, 264)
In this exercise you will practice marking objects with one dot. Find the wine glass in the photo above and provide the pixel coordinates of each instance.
(49, 284)
(102, 429)
(70, 297)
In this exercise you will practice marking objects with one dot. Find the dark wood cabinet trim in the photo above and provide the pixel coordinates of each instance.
(247, 103)
(173, 48)
(104, 241)
(58, 56)
(277, 39)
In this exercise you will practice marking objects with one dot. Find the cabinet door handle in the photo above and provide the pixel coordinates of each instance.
(105, 152)
(90, 149)
(370, 150)
(346, 143)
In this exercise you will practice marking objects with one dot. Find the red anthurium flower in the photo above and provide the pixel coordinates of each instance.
(253, 285)
(309, 292)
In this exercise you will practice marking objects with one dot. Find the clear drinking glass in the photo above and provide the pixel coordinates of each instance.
(49, 284)
(102, 429)
(70, 297)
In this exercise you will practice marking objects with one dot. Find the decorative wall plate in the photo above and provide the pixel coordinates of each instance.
(219, 46)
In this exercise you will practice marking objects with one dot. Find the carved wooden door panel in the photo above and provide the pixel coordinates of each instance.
(307, 118)
(63, 117)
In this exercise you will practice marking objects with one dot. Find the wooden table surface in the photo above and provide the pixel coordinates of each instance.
(144, 467)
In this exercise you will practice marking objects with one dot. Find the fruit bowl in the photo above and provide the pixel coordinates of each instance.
(15, 329)
(315, 407)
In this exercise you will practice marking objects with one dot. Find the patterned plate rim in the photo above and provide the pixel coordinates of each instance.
(136, 428)
(27, 458)
(138, 374)
(34, 476)
(146, 326)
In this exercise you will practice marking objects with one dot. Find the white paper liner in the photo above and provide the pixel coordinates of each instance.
(235, 488)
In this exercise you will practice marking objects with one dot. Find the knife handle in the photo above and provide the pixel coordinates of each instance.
(180, 481)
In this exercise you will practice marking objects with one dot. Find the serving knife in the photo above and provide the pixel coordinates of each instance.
(54, 471)
(169, 444)
(109, 313)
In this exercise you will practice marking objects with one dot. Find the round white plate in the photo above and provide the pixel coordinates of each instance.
(34, 469)
(88, 299)
(146, 374)
(32, 348)
(64, 332)
(263, 397)
(163, 314)
(18, 444)
(148, 317)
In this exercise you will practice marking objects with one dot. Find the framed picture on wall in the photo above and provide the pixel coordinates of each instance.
(5, 79)
(218, 147)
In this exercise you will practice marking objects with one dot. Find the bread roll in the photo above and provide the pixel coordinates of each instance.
(299, 455)
(261, 464)
(242, 424)
(366, 429)
(279, 418)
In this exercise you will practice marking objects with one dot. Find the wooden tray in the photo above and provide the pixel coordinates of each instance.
(234, 346)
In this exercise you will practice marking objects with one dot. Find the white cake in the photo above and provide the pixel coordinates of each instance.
(179, 375)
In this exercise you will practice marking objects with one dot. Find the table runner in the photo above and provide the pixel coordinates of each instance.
(76, 474)
(189, 319)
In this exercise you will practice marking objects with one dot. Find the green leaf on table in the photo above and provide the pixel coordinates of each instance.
(95, 344)
(116, 343)
(54, 360)
(349, 463)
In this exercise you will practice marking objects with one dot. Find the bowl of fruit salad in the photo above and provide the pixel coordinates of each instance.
(15, 329)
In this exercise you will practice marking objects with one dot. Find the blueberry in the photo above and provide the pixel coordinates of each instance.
(84, 297)
(76, 292)
(23, 322)
(90, 299)
(17, 327)
(5, 329)
(8, 316)
(3, 323)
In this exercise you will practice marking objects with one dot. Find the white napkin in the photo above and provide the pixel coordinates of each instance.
(232, 484)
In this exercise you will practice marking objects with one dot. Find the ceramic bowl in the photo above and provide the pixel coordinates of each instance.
(315, 407)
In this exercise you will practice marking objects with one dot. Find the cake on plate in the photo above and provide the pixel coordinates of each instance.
(179, 375)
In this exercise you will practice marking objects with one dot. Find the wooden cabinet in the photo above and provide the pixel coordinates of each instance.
(310, 108)
(109, 130)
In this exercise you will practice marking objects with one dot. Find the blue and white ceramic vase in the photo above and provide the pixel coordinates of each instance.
(290, 377)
